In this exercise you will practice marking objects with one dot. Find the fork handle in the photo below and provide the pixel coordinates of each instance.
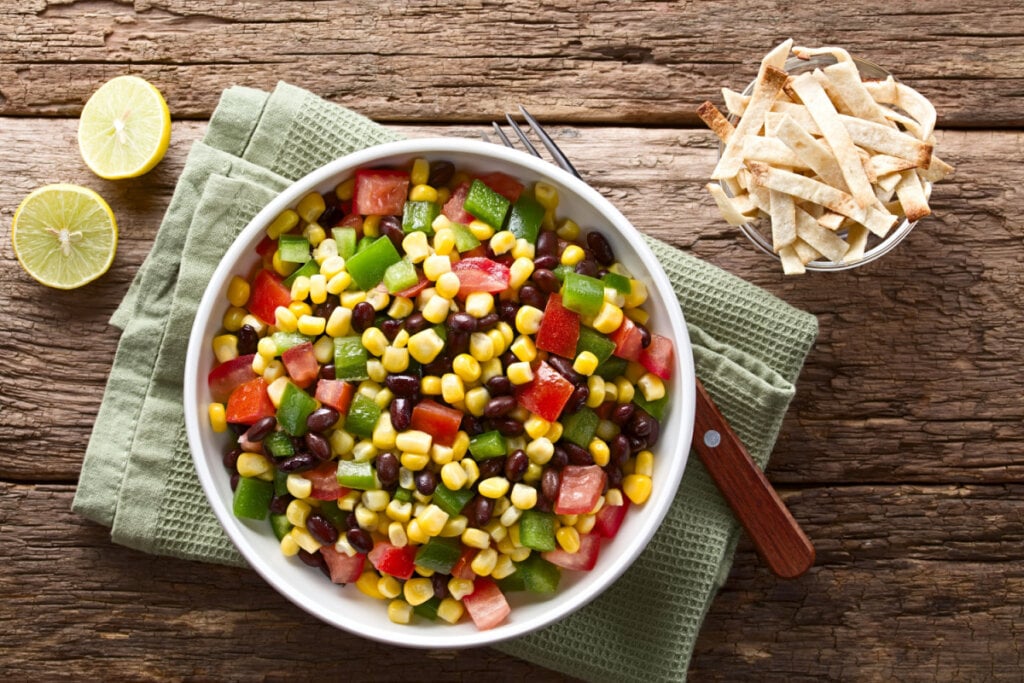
(779, 540)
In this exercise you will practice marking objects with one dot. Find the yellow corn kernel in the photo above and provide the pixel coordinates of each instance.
(327, 248)
(424, 346)
(453, 476)
(401, 307)
(311, 325)
(283, 268)
(332, 266)
(384, 434)
(472, 470)
(399, 511)
(528, 319)
(432, 520)
(450, 610)
(482, 231)
(491, 368)
(430, 385)
(481, 347)
(371, 226)
(285, 320)
(523, 496)
(259, 364)
(378, 299)
(422, 193)
(345, 189)
(540, 450)
(614, 297)
(503, 242)
(497, 341)
(399, 612)
(414, 441)
(218, 417)
(285, 222)
(448, 285)
(524, 249)
(536, 426)
(299, 308)
(233, 319)
(389, 586)
(460, 446)
(520, 373)
(644, 463)
(395, 360)
(546, 195)
(298, 486)
(608, 318)
(520, 271)
(374, 341)
(637, 487)
(595, 389)
(555, 433)
(479, 304)
(367, 585)
(585, 363)
(444, 240)
(376, 372)
(568, 230)
(435, 266)
(420, 171)
(484, 562)
(585, 524)
(476, 538)
(466, 367)
(298, 512)
(634, 371)
(252, 465)
(572, 255)
(493, 487)
(533, 473)
(443, 195)
(274, 370)
(340, 322)
(418, 590)
(568, 538)
(315, 233)
(416, 246)
(637, 294)
(339, 283)
(476, 401)
(454, 527)
(624, 390)
(289, 548)
(437, 309)
(611, 392)
(225, 347)
(651, 387)
(460, 588)
(637, 315)
(599, 451)
(452, 388)
(238, 291)
(366, 518)
(311, 206)
(304, 539)
(317, 288)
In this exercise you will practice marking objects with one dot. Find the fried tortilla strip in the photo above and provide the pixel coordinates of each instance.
(838, 53)
(825, 115)
(888, 140)
(765, 90)
(936, 171)
(884, 164)
(772, 151)
(735, 103)
(805, 252)
(909, 100)
(792, 264)
(783, 213)
(888, 183)
(810, 151)
(731, 214)
(833, 93)
(776, 58)
(830, 221)
(830, 245)
(848, 87)
(715, 120)
(857, 238)
(911, 196)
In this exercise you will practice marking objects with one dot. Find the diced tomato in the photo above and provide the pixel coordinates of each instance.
(380, 192)
(583, 560)
(410, 292)
(266, 294)
(486, 605)
(476, 251)
(266, 247)
(397, 562)
(300, 362)
(481, 274)
(343, 568)
(352, 220)
(453, 208)
(462, 568)
(250, 402)
(609, 519)
(225, 377)
(325, 482)
(547, 394)
(336, 393)
(504, 184)
(580, 489)
(658, 356)
(440, 421)
(628, 340)
(559, 328)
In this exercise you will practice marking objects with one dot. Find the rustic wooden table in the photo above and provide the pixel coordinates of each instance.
(901, 454)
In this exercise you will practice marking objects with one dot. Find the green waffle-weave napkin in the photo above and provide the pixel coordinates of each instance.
(138, 477)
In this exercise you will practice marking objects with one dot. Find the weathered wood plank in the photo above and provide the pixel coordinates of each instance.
(644, 62)
(911, 379)
(911, 583)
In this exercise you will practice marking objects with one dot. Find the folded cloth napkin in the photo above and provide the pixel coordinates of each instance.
(138, 477)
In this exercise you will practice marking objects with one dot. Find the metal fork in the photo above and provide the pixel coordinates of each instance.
(779, 540)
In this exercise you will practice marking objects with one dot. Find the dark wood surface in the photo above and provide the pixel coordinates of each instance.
(901, 454)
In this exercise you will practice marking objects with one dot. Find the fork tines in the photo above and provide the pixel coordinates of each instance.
(560, 158)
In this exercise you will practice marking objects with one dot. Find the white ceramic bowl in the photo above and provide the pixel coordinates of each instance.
(346, 607)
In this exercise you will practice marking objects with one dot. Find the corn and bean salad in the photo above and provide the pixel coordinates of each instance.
(440, 390)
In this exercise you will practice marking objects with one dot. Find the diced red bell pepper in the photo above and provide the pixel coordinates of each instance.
(352, 220)
(325, 482)
(486, 605)
(559, 329)
(380, 192)
(397, 562)
(462, 568)
(453, 208)
(583, 560)
(336, 393)
(580, 489)
(301, 364)
(223, 379)
(266, 247)
(504, 184)
(547, 394)
(609, 519)
(481, 274)
(250, 402)
(438, 420)
(628, 340)
(658, 356)
(266, 294)
(343, 567)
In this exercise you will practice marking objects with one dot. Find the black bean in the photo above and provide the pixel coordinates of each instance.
(563, 366)
(508, 358)
(441, 173)
(360, 540)
(637, 444)
(652, 438)
(401, 413)
(559, 458)
(515, 465)
(547, 243)
(324, 309)
(230, 459)
(261, 428)
(322, 419)
(248, 340)
(387, 468)
(298, 463)
(458, 342)
(234, 480)
(461, 322)
(640, 424)
(416, 323)
(508, 426)
(426, 481)
(479, 510)
(279, 504)
(615, 475)
(405, 385)
(311, 559)
(543, 504)
(488, 322)
(622, 413)
(471, 425)
(318, 446)
(499, 406)
(440, 584)
(618, 449)
(238, 428)
(351, 521)
(321, 529)
(546, 262)
(499, 385)
(645, 336)
(491, 467)
(249, 446)
(578, 399)
(327, 371)
(391, 227)
(602, 251)
(391, 327)
(577, 454)
(439, 365)
(550, 482)
(546, 280)
(532, 296)
(586, 267)
(362, 316)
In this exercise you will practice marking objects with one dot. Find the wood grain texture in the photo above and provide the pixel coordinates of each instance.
(649, 62)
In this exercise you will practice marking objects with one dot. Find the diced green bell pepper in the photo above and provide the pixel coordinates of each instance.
(346, 240)
(356, 475)
(399, 276)
(252, 498)
(655, 409)
(350, 358)
(296, 405)
(486, 204)
(620, 283)
(293, 248)
(580, 427)
(280, 525)
(362, 416)
(286, 340)
(598, 344)
(278, 445)
(364, 243)
(537, 530)
(367, 267)
(280, 483)
(464, 238)
(310, 267)
(525, 219)
(611, 368)
(439, 554)
(428, 609)
(560, 270)
(512, 583)
(488, 445)
(538, 575)
(451, 501)
(402, 495)
(334, 514)
(582, 293)
(419, 217)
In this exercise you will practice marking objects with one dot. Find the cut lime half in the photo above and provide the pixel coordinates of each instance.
(64, 235)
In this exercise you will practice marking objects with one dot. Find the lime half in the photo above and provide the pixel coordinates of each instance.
(64, 235)
(124, 129)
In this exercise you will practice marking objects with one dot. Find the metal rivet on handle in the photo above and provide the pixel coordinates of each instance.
(712, 438)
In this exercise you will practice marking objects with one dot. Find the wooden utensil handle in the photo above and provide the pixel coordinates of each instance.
(778, 538)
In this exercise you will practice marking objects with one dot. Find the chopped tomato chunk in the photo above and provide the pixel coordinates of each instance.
(486, 605)
(453, 208)
(266, 294)
(389, 559)
(481, 274)
(658, 356)
(343, 567)
(547, 394)
(336, 393)
(380, 192)
(580, 489)
(438, 420)
(609, 518)
(628, 340)
(583, 560)
(250, 402)
(300, 362)
(225, 377)
(559, 329)
(504, 184)
(325, 482)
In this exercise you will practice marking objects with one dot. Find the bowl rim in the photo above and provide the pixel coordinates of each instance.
(683, 377)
